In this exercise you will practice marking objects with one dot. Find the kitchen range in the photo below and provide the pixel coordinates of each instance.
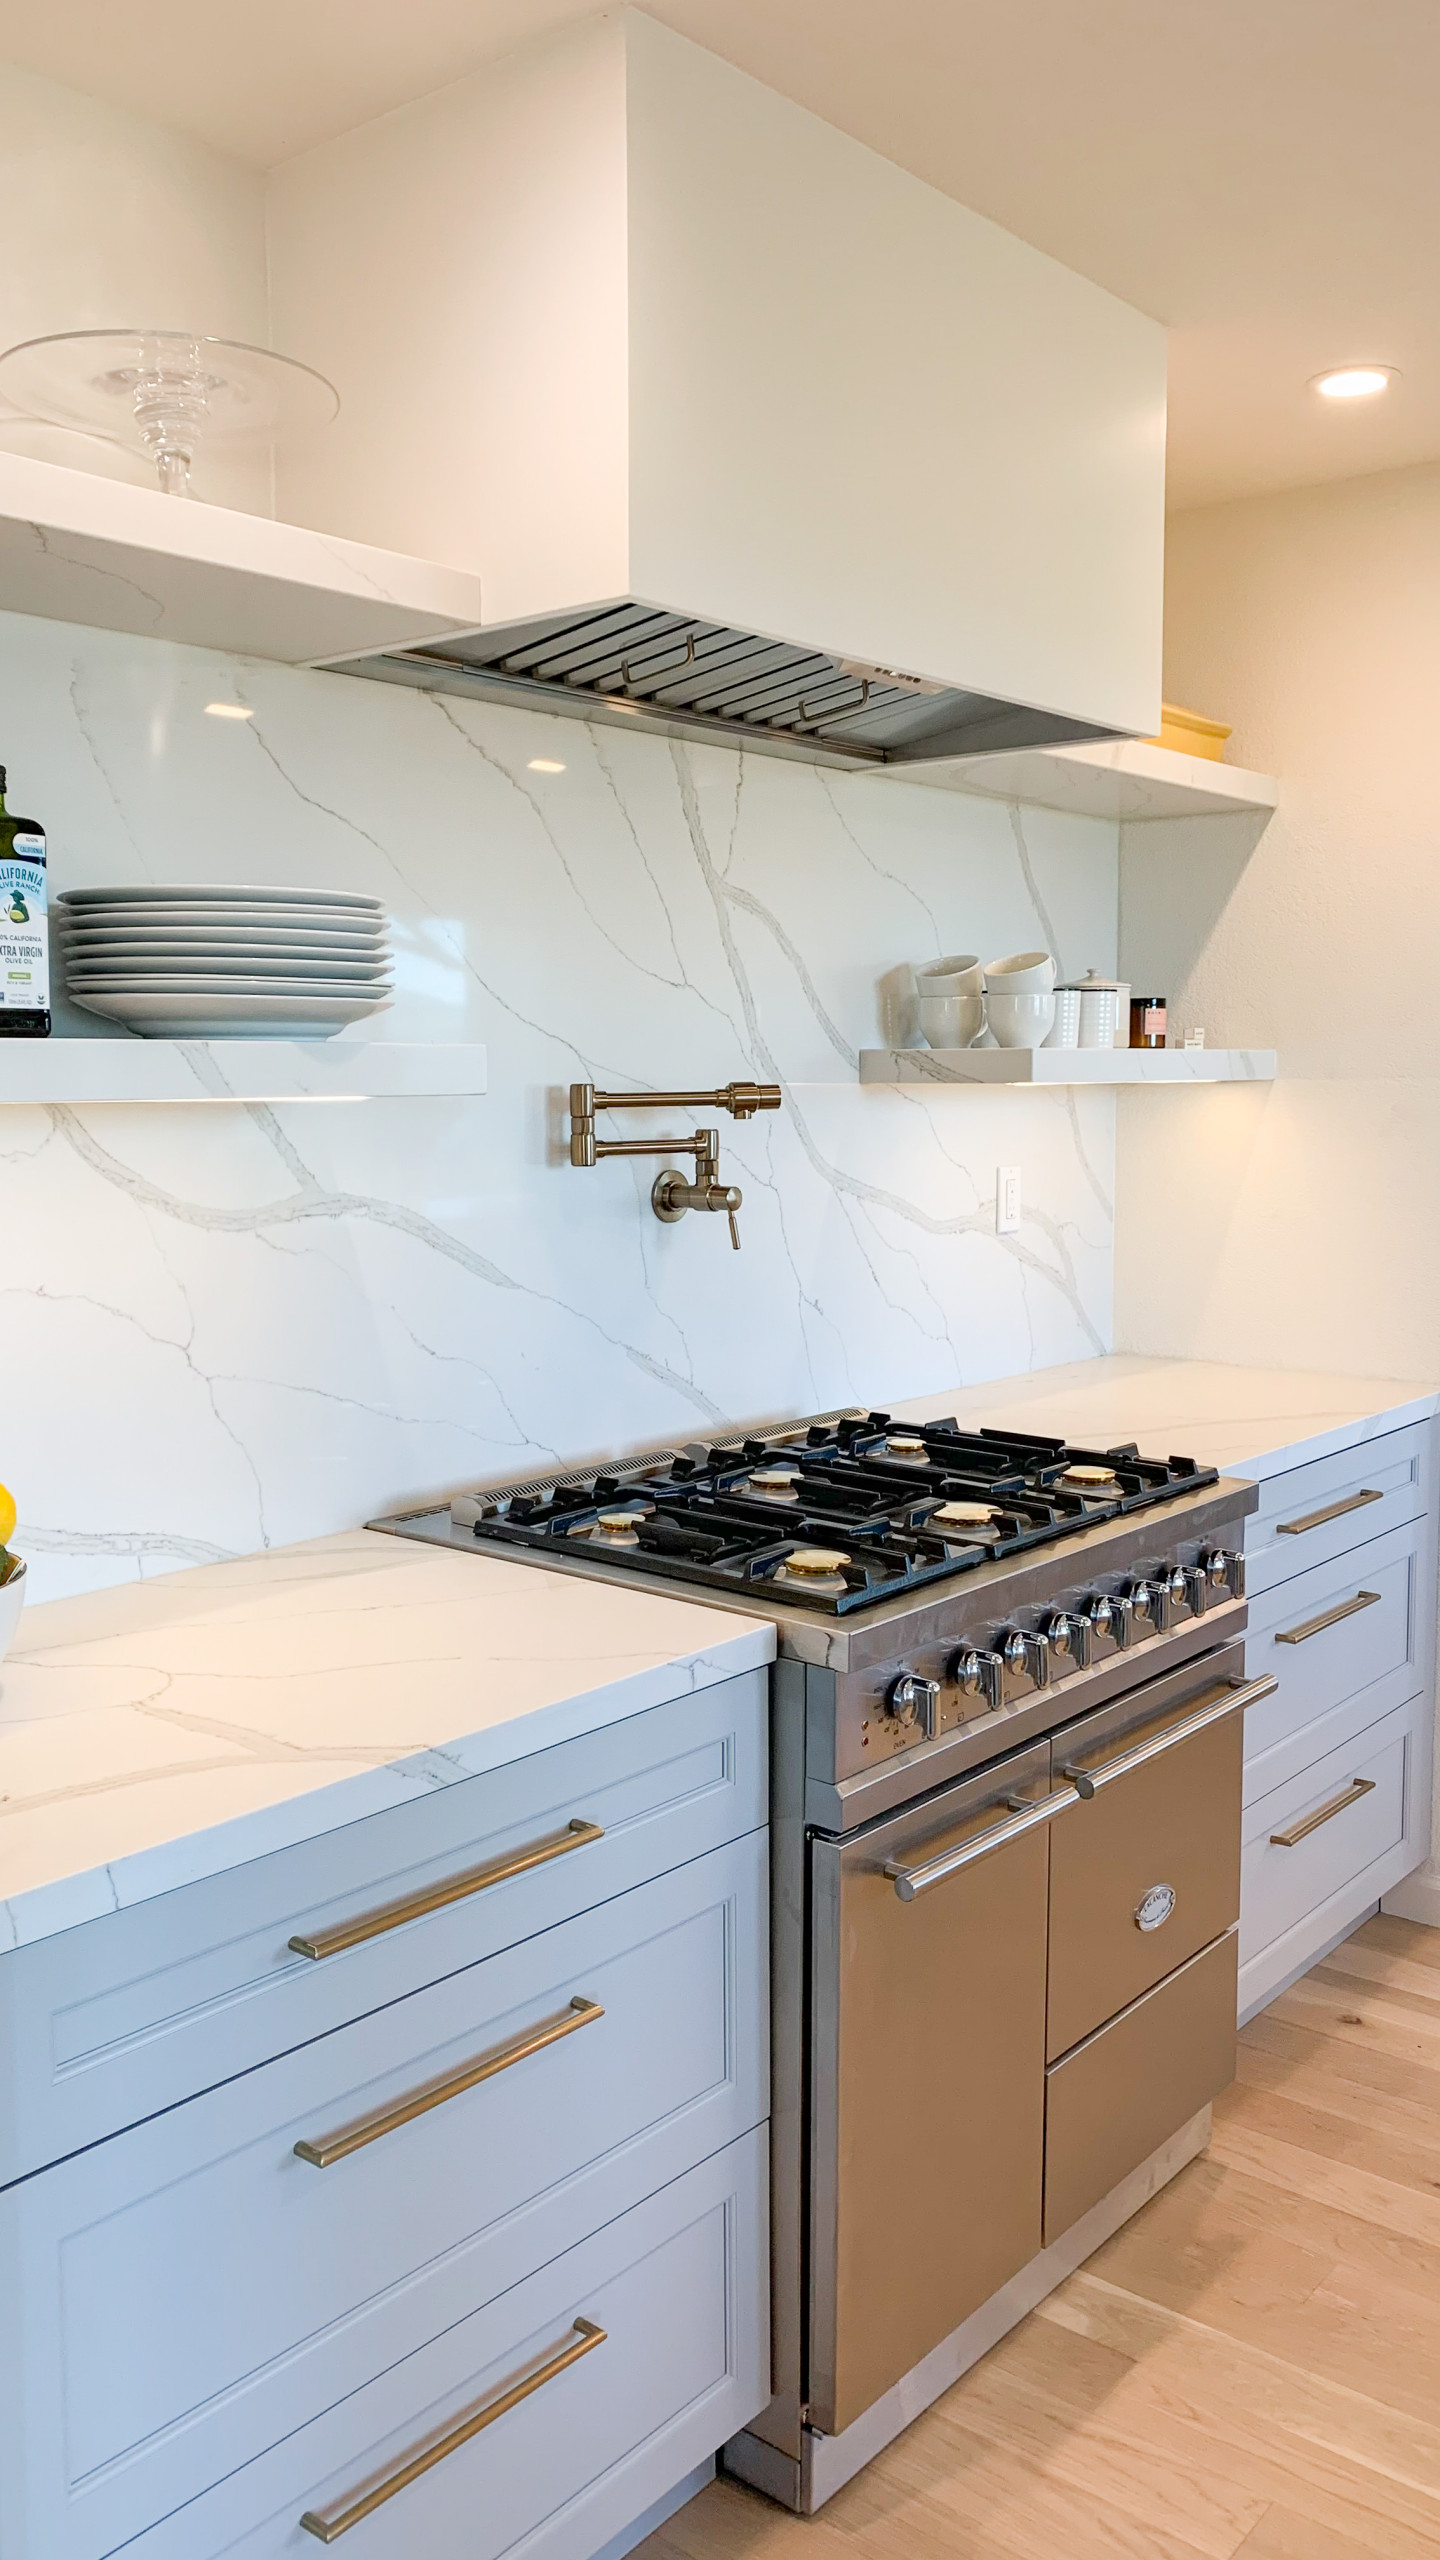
(1005, 1823)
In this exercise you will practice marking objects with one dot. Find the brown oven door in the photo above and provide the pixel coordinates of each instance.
(927, 2074)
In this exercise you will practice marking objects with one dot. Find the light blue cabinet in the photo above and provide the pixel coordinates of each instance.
(231, 2310)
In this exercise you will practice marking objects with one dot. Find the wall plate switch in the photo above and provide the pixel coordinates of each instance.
(1007, 1200)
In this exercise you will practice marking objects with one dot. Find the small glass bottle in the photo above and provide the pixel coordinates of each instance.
(24, 928)
(1148, 1022)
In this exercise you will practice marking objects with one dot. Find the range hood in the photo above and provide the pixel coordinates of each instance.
(748, 434)
(636, 667)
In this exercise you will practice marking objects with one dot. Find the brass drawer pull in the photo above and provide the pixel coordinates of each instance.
(910, 1881)
(1327, 1618)
(414, 1906)
(1299, 1831)
(1243, 1693)
(353, 2137)
(1332, 1511)
(584, 2337)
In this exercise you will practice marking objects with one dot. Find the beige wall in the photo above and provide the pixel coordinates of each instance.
(1301, 1225)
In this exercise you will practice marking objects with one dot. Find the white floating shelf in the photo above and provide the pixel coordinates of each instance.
(79, 548)
(82, 1071)
(1067, 1066)
(1127, 780)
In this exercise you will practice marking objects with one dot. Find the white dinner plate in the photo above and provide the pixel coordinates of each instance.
(297, 1016)
(243, 893)
(222, 937)
(197, 982)
(193, 919)
(244, 965)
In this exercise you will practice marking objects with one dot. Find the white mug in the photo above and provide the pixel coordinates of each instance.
(1022, 973)
(951, 1022)
(960, 975)
(1021, 1021)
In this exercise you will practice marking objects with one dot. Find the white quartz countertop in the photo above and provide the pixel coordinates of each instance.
(1246, 1422)
(172, 1729)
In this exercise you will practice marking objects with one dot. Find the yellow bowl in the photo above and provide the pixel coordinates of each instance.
(1190, 734)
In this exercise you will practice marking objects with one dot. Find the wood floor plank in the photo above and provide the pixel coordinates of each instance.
(1411, 2161)
(1249, 2370)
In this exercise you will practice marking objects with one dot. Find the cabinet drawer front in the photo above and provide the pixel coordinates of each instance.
(273, 2286)
(679, 2288)
(1148, 1871)
(1116, 2098)
(1312, 1513)
(112, 2022)
(1349, 1629)
(1293, 1861)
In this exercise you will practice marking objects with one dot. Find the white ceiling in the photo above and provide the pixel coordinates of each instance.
(1262, 174)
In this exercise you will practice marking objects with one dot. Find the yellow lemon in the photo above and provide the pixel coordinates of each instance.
(7, 1515)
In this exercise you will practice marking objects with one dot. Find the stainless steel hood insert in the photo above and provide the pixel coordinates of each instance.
(639, 666)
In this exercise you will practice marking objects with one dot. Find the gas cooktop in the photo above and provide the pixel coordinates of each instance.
(833, 1516)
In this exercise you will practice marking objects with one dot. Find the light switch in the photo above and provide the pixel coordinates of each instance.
(1007, 1200)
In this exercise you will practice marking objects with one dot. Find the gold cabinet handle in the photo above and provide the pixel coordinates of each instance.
(1332, 1511)
(1242, 1694)
(414, 1906)
(1299, 1831)
(331, 2147)
(1327, 1618)
(584, 2338)
(1027, 1816)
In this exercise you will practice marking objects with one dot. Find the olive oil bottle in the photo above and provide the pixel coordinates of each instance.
(24, 928)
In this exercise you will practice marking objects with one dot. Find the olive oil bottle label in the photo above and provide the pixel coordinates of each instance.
(24, 927)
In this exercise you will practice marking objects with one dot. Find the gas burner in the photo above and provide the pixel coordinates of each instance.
(1090, 1479)
(903, 1444)
(963, 1515)
(612, 1528)
(773, 1484)
(822, 1568)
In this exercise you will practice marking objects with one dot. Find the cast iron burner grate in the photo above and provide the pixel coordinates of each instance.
(833, 1515)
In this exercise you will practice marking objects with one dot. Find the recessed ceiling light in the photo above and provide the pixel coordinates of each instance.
(229, 711)
(545, 764)
(1354, 381)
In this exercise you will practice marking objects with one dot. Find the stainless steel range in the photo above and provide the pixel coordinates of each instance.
(1005, 1836)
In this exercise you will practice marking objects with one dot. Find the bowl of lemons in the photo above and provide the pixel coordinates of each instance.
(12, 1574)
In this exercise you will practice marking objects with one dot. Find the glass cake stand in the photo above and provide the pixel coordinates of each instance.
(166, 392)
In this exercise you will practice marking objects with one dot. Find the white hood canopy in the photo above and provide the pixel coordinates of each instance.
(747, 433)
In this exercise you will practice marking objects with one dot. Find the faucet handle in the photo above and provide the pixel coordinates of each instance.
(734, 1229)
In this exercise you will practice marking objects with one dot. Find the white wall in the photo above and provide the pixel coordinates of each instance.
(226, 1327)
(1299, 1227)
(113, 222)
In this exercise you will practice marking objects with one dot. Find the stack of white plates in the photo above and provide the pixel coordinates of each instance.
(184, 963)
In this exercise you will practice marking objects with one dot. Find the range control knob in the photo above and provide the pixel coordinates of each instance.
(1100, 1618)
(1068, 1638)
(1150, 1602)
(1023, 1652)
(978, 1674)
(913, 1700)
(1225, 1571)
(1176, 1589)
(1197, 1590)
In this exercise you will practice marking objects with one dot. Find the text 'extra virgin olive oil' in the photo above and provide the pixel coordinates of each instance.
(24, 928)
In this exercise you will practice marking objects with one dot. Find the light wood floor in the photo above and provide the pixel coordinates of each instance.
(1251, 2366)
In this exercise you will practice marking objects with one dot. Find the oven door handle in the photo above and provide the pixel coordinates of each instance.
(910, 1881)
(1243, 1693)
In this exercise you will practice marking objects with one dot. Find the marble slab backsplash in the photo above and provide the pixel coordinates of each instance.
(230, 1326)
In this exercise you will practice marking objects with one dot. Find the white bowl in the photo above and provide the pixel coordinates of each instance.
(1022, 973)
(1023, 1021)
(960, 975)
(12, 1601)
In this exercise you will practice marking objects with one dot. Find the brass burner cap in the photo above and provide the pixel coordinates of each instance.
(903, 1444)
(616, 1524)
(1090, 1476)
(815, 1562)
(774, 1479)
(964, 1515)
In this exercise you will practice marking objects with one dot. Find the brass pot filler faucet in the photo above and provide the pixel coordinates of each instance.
(670, 1194)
